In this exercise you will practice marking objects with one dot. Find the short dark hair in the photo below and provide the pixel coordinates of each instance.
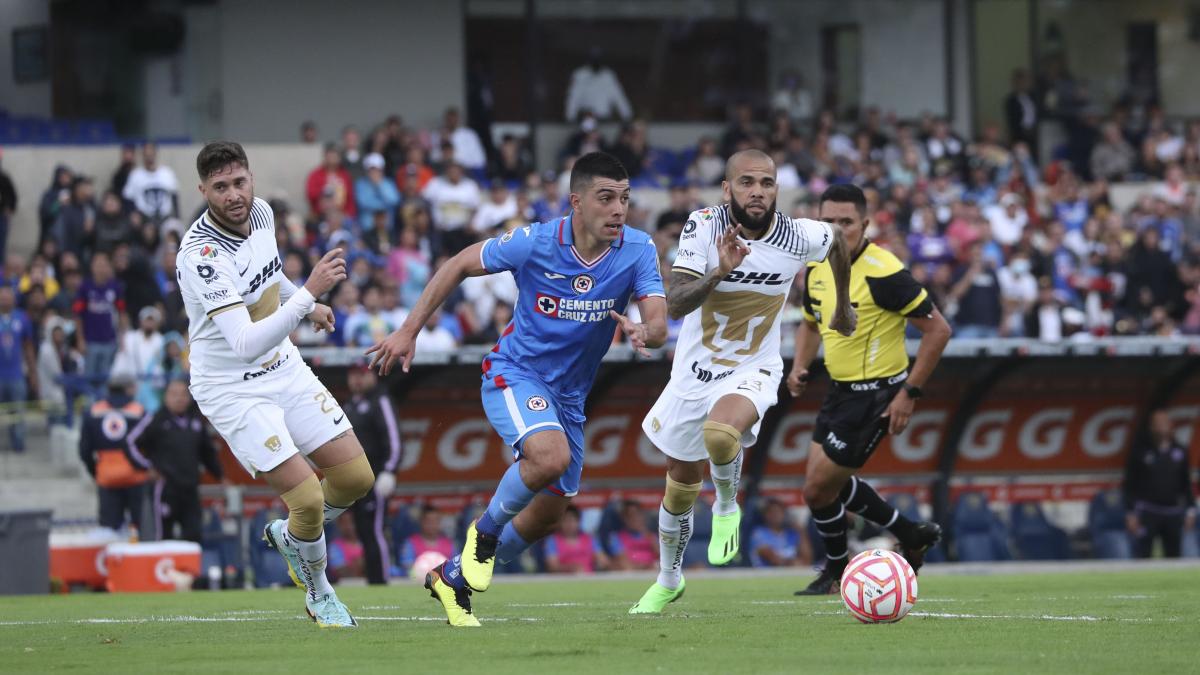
(217, 155)
(843, 194)
(596, 165)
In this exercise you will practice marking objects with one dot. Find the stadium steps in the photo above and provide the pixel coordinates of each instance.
(48, 475)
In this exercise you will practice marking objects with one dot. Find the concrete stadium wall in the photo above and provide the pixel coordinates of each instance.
(903, 48)
(355, 61)
(21, 99)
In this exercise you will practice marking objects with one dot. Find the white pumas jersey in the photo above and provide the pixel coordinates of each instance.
(220, 270)
(737, 327)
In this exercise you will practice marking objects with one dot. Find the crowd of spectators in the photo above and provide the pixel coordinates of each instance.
(1007, 246)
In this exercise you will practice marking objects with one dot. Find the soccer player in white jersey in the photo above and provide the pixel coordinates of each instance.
(735, 265)
(249, 379)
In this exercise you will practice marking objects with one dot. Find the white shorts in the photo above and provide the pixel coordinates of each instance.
(676, 425)
(267, 420)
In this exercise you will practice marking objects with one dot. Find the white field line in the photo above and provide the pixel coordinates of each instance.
(233, 619)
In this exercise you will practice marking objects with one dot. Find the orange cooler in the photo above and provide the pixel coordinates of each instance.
(151, 566)
(78, 558)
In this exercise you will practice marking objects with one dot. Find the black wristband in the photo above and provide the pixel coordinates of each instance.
(914, 392)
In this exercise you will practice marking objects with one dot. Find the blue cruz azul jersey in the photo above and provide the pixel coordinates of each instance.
(561, 326)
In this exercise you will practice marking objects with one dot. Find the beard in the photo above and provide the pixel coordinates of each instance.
(741, 217)
(224, 216)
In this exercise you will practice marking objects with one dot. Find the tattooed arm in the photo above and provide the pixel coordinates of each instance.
(687, 291)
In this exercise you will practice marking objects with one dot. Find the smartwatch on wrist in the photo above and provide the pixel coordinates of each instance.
(914, 392)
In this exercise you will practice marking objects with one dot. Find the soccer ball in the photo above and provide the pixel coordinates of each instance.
(425, 562)
(879, 586)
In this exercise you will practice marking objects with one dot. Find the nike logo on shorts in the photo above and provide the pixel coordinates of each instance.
(339, 420)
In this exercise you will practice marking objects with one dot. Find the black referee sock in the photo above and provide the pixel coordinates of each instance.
(831, 524)
(862, 499)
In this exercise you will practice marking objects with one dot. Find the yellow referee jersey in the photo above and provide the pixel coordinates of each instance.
(884, 294)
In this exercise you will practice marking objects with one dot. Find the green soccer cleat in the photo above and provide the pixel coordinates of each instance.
(726, 538)
(657, 598)
(273, 535)
(329, 612)
(479, 559)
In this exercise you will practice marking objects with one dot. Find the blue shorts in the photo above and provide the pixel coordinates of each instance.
(518, 404)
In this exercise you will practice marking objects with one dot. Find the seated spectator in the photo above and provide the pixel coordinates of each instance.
(632, 545)
(153, 187)
(776, 543)
(39, 274)
(1008, 219)
(572, 551)
(586, 140)
(550, 204)
(410, 267)
(112, 225)
(134, 271)
(708, 168)
(500, 206)
(76, 223)
(631, 148)
(512, 162)
(415, 173)
(379, 237)
(1113, 158)
(453, 198)
(374, 192)
(345, 550)
(429, 537)
(1018, 292)
(435, 337)
(143, 348)
(468, 150)
(332, 180)
(369, 324)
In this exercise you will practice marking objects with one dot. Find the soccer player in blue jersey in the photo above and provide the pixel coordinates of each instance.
(576, 275)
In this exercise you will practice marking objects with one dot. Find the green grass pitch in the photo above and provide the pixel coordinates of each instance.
(1084, 624)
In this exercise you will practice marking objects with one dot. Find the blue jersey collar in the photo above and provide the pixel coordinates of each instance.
(566, 236)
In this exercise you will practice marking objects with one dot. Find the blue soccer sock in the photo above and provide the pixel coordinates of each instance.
(512, 544)
(511, 496)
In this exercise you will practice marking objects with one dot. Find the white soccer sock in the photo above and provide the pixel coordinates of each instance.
(725, 478)
(673, 535)
(313, 559)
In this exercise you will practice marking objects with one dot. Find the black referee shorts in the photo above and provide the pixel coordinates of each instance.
(849, 425)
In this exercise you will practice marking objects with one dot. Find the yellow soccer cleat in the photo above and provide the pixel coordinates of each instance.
(479, 558)
(726, 538)
(657, 598)
(456, 603)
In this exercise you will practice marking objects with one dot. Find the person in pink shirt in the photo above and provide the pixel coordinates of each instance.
(429, 538)
(573, 551)
(633, 546)
(409, 266)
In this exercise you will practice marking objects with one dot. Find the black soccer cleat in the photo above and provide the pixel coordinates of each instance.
(924, 536)
(826, 583)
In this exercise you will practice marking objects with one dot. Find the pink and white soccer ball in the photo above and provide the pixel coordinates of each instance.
(425, 562)
(879, 586)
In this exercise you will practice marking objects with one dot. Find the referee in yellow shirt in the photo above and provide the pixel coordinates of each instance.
(873, 392)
